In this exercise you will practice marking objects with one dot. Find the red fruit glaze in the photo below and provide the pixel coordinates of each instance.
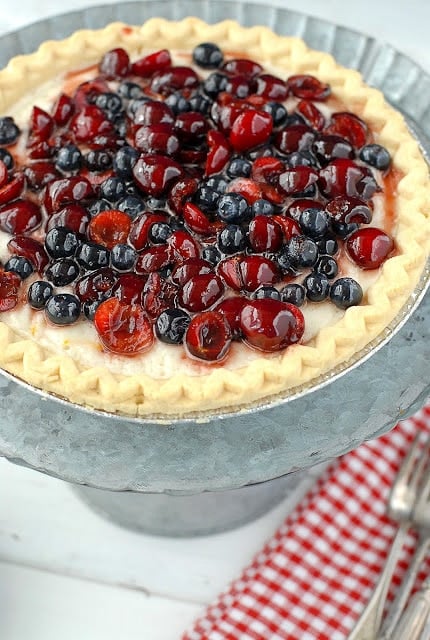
(251, 129)
(96, 284)
(9, 289)
(297, 179)
(242, 66)
(190, 126)
(90, 122)
(200, 292)
(63, 109)
(129, 288)
(29, 248)
(369, 247)
(20, 216)
(229, 270)
(271, 87)
(267, 169)
(297, 137)
(64, 191)
(157, 138)
(148, 65)
(311, 114)
(308, 87)
(289, 226)
(343, 177)
(153, 112)
(258, 270)
(153, 259)
(182, 190)
(174, 79)
(123, 328)
(39, 174)
(182, 246)
(208, 336)
(115, 63)
(265, 234)
(271, 325)
(231, 308)
(158, 295)
(154, 174)
(12, 189)
(109, 228)
(189, 268)
(41, 124)
(219, 152)
(73, 216)
(349, 126)
(197, 221)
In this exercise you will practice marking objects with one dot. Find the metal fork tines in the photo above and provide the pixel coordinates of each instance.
(409, 504)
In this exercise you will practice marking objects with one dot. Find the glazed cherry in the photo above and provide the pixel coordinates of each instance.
(158, 295)
(4, 174)
(153, 112)
(329, 147)
(200, 292)
(123, 328)
(63, 109)
(189, 268)
(140, 228)
(109, 228)
(231, 308)
(174, 79)
(349, 126)
(289, 226)
(308, 87)
(95, 285)
(89, 123)
(242, 66)
(297, 180)
(20, 216)
(343, 177)
(154, 174)
(267, 169)
(271, 325)
(29, 248)
(271, 87)
(148, 65)
(182, 246)
(190, 125)
(153, 259)
(343, 209)
(39, 174)
(251, 129)
(265, 234)
(128, 287)
(72, 216)
(115, 64)
(157, 138)
(64, 191)
(9, 290)
(181, 191)
(197, 221)
(208, 336)
(218, 154)
(13, 189)
(41, 124)
(369, 247)
(312, 115)
(256, 271)
(297, 137)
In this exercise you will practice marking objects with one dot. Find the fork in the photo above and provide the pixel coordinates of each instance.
(405, 493)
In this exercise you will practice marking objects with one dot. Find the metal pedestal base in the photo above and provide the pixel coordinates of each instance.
(189, 515)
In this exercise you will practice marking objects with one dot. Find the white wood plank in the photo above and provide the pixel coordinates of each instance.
(35, 604)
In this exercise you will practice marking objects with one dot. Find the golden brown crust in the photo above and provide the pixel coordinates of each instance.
(223, 389)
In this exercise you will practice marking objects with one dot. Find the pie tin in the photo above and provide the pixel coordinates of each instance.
(387, 381)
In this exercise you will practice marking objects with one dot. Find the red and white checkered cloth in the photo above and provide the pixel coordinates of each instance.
(313, 578)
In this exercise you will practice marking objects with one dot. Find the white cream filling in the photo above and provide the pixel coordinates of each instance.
(80, 339)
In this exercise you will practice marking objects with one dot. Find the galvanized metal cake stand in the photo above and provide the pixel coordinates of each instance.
(188, 477)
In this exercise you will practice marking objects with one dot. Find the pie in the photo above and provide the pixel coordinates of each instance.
(198, 218)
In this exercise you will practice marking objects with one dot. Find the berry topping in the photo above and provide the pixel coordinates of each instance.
(346, 292)
(9, 131)
(39, 293)
(171, 325)
(61, 242)
(200, 292)
(155, 173)
(208, 55)
(62, 272)
(308, 87)
(29, 248)
(109, 228)
(9, 289)
(265, 234)
(375, 156)
(369, 247)
(271, 325)
(115, 63)
(250, 129)
(349, 126)
(123, 328)
(317, 286)
(294, 294)
(19, 265)
(148, 65)
(208, 336)
(63, 308)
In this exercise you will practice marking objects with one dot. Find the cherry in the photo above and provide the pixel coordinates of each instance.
(140, 227)
(251, 129)
(174, 79)
(9, 289)
(258, 270)
(249, 189)
(157, 138)
(265, 234)
(197, 221)
(219, 152)
(40, 173)
(208, 336)
(158, 295)
(311, 114)
(29, 248)
(229, 270)
(308, 87)
(155, 173)
(115, 63)
(12, 189)
(231, 308)
(296, 137)
(267, 169)
(4, 174)
(190, 125)
(182, 246)
(200, 292)
(347, 210)
(181, 191)
(20, 216)
(271, 325)
(153, 112)
(63, 109)
(329, 147)
(189, 268)
(343, 177)
(148, 65)
(271, 87)
(109, 228)
(40, 150)
(87, 90)
(66, 191)
(239, 86)
(95, 284)
(349, 126)
(241, 66)
(289, 226)
(41, 124)
(123, 328)
(153, 259)
(297, 180)
(296, 208)
(90, 122)
(73, 216)
(369, 247)
(129, 288)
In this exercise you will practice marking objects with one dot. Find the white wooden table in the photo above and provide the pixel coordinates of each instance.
(65, 573)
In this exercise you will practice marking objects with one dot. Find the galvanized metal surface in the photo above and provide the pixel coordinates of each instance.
(230, 451)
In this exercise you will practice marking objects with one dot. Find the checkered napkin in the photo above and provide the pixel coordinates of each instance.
(313, 578)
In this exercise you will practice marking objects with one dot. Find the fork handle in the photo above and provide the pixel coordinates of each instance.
(404, 592)
(412, 624)
(370, 620)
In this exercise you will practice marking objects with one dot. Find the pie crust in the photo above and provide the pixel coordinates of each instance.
(266, 378)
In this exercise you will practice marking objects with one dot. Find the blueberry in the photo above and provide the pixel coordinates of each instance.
(264, 151)
(277, 111)
(376, 156)
(171, 325)
(9, 131)
(98, 160)
(208, 55)
(69, 158)
(346, 292)
(232, 207)
(90, 307)
(62, 272)
(294, 294)
(217, 183)
(39, 293)
(262, 207)
(285, 263)
(215, 83)
(206, 198)
(327, 265)
(154, 203)
(61, 242)
(113, 188)
(129, 90)
(92, 256)
(178, 103)
(63, 308)
(317, 287)
(200, 103)
(109, 101)
(19, 265)
(131, 205)
(123, 257)
(7, 158)
(302, 251)
(328, 245)
(124, 161)
(211, 254)
(97, 206)
(302, 159)
(344, 229)
(314, 222)
(293, 119)
(159, 232)
(266, 292)
(239, 168)
(231, 239)
(135, 104)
